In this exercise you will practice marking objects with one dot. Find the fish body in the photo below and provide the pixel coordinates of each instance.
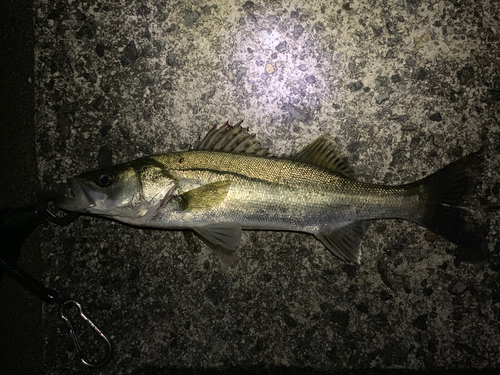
(229, 183)
(276, 194)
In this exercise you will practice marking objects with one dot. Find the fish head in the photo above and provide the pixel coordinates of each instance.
(101, 191)
(125, 192)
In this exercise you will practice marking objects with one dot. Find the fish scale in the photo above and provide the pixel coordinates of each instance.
(275, 187)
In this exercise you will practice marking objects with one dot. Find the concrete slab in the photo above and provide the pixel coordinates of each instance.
(404, 87)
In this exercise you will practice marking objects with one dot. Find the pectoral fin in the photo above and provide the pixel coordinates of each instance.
(344, 242)
(223, 238)
(205, 197)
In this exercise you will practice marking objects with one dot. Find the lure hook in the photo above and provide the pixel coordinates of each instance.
(78, 348)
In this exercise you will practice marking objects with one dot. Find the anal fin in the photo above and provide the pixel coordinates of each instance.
(344, 242)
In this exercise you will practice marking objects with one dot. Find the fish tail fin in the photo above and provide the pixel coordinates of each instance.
(447, 191)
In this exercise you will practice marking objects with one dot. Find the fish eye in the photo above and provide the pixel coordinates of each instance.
(104, 179)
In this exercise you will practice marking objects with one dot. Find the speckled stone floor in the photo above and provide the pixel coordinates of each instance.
(404, 87)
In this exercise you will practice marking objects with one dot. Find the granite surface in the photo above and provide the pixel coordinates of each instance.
(404, 87)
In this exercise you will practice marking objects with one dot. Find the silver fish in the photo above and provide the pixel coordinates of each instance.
(229, 183)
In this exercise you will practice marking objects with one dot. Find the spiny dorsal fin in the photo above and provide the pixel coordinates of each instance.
(205, 197)
(324, 153)
(233, 139)
(344, 242)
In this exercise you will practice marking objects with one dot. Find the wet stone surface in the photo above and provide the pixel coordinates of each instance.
(403, 87)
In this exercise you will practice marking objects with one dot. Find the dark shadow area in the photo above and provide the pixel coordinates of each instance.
(20, 313)
(276, 370)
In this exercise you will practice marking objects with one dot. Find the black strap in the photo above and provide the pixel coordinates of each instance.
(30, 283)
(16, 224)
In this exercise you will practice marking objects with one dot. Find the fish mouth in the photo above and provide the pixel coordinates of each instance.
(77, 197)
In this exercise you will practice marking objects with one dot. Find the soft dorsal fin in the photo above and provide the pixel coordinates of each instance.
(323, 152)
(344, 242)
(233, 139)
